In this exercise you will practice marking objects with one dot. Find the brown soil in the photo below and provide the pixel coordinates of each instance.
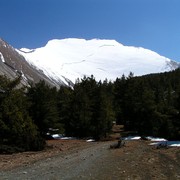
(77, 159)
(54, 147)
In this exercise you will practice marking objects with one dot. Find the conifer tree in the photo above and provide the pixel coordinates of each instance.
(17, 130)
(43, 109)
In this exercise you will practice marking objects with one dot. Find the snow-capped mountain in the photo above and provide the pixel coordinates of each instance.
(13, 64)
(63, 61)
(73, 58)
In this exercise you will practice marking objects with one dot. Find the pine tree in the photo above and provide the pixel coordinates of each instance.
(103, 113)
(17, 131)
(43, 109)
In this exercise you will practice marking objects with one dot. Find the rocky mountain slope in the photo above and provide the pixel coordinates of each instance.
(13, 64)
(61, 62)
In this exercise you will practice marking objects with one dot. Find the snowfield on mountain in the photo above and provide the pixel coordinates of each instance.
(69, 59)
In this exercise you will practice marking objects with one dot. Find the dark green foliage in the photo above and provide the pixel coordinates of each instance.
(88, 112)
(43, 109)
(64, 102)
(9, 149)
(103, 113)
(149, 104)
(16, 127)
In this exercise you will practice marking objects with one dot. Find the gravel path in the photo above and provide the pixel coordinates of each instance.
(71, 165)
(137, 160)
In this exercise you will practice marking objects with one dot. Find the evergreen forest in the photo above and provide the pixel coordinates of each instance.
(148, 105)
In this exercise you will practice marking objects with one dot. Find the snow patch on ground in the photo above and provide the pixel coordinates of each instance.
(167, 143)
(90, 140)
(57, 136)
(130, 138)
(61, 136)
(156, 141)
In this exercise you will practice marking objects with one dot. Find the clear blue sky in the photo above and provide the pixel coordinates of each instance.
(152, 24)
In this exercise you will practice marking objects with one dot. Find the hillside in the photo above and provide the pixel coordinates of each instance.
(69, 59)
(61, 62)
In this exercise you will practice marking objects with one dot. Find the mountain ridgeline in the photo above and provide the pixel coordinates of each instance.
(148, 104)
(13, 64)
(61, 62)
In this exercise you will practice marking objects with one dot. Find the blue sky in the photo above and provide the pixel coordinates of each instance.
(152, 24)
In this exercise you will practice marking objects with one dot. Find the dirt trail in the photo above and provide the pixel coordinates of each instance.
(137, 160)
(69, 164)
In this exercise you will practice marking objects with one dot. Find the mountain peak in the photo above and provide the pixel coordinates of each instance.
(79, 41)
(62, 61)
(72, 58)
